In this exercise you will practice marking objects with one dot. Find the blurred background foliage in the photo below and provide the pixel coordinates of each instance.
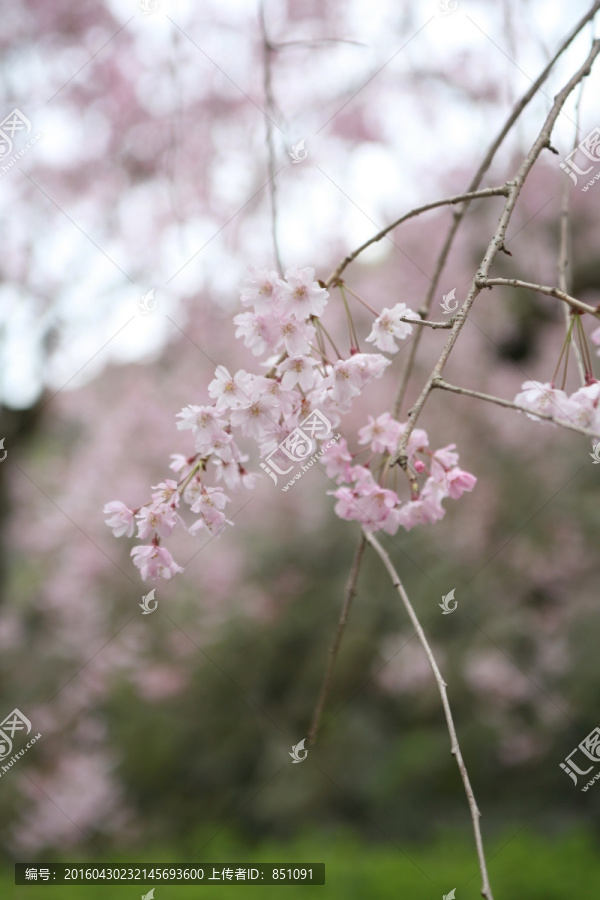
(167, 736)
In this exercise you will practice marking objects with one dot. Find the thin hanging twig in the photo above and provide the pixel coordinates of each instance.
(486, 890)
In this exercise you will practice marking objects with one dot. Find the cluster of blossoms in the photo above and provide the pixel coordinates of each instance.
(283, 324)
(362, 498)
(581, 408)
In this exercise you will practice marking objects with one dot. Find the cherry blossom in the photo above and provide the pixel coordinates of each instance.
(121, 518)
(382, 433)
(543, 398)
(261, 289)
(388, 326)
(154, 562)
(261, 332)
(338, 460)
(229, 391)
(159, 519)
(349, 376)
(296, 335)
(270, 409)
(301, 296)
(297, 370)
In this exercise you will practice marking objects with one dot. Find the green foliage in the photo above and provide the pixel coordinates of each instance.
(521, 865)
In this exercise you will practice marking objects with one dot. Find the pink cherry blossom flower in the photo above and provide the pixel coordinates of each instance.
(121, 518)
(425, 510)
(376, 503)
(257, 419)
(286, 401)
(583, 408)
(206, 427)
(346, 507)
(301, 296)
(543, 398)
(229, 391)
(296, 335)
(297, 370)
(233, 474)
(382, 433)
(349, 376)
(179, 462)
(417, 442)
(166, 492)
(154, 562)
(446, 456)
(261, 289)
(388, 326)
(161, 519)
(261, 332)
(209, 504)
(338, 461)
(459, 481)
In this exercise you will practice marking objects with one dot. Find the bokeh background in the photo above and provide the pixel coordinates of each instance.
(166, 737)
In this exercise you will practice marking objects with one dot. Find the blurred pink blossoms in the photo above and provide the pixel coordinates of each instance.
(283, 324)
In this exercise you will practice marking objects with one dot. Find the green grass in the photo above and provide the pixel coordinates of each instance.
(526, 867)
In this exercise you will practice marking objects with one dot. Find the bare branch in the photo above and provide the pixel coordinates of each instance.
(426, 322)
(486, 890)
(495, 245)
(459, 198)
(499, 401)
(460, 213)
(333, 651)
(542, 289)
(267, 49)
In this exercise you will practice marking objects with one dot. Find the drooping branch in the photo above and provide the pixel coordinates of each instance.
(500, 401)
(542, 289)
(486, 890)
(459, 198)
(267, 51)
(460, 212)
(333, 651)
(495, 245)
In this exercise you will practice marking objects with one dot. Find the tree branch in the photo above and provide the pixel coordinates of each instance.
(267, 49)
(459, 198)
(495, 245)
(486, 890)
(460, 213)
(333, 650)
(499, 401)
(542, 289)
